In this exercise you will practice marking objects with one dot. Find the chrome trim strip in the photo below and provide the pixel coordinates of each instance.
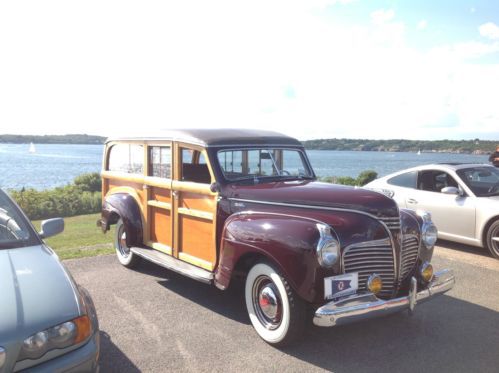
(367, 306)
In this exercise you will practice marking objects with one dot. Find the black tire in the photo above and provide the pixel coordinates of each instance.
(276, 312)
(125, 256)
(492, 239)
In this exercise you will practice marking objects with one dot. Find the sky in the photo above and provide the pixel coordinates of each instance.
(310, 69)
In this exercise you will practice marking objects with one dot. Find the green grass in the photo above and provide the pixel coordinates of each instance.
(81, 238)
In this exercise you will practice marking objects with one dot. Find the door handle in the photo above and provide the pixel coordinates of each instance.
(412, 201)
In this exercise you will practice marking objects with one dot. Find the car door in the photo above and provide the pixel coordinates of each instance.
(194, 207)
(401, 185)
(454, 215)
(158, 189)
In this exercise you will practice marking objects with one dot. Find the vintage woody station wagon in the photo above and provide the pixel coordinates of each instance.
(216, 204)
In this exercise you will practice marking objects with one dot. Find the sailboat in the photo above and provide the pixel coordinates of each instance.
(32, 148)
(419, 152)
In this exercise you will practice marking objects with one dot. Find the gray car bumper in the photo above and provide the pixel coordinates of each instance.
(366, 306)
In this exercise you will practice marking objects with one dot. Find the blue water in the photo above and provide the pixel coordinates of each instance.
(50, 166)
(58, 165)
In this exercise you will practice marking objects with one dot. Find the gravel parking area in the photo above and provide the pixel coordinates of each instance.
(154, 320)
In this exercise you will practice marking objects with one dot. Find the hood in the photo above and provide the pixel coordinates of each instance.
(35, 292)
(313, 193)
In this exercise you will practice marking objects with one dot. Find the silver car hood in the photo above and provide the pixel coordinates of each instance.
(35, 292)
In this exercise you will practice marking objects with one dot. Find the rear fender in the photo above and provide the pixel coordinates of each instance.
(289, 242)
(126, 207)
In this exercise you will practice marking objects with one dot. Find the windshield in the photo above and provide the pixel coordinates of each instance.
(14, 229)
(483, 181)
(283, 164)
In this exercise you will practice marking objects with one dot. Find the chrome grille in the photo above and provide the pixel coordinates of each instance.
(409, 256)
(391, 223)
(371, 257)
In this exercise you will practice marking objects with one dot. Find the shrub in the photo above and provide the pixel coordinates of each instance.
(81, 197)
(361, 180)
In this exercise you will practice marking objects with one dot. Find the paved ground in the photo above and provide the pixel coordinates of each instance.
(156, 321)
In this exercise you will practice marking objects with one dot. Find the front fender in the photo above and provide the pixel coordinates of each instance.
(124, 206)
(289, 242)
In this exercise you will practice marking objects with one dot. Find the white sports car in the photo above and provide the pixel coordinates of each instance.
(463, 199)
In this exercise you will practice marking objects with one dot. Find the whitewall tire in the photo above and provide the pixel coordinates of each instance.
(276, 313)
(123, 252)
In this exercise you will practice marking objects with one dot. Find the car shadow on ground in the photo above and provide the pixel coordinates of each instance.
(445, 334)
(229, 303)
(115, 360)
(480, 251)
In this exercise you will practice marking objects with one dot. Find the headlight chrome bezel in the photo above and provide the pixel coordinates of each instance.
(328, 247)
(429, 232)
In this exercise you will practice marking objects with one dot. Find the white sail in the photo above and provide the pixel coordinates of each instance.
(32, 148)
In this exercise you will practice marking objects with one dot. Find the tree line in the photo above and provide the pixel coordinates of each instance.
(53, 139)
(475, 146)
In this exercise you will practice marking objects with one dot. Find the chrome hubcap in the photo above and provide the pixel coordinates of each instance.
(267, 302)
(122, 246)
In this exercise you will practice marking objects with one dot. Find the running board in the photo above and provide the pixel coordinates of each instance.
(174, 264)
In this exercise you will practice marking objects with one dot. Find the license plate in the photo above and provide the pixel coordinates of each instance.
(339, 286)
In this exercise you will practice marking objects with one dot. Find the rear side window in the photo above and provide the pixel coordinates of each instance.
(194, 167)
(127, 158)
(406, 180)
(160, 158)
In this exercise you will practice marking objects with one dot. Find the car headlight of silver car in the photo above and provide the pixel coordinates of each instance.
(429, 232)
(60, 336)
(328, 247)
(2, 357)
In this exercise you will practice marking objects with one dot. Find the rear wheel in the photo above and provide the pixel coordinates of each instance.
(123, 252)
(275, 311)
(493, 239)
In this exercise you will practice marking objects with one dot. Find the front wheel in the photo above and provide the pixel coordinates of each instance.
(493, 239)
(123, 252)
(275, 311)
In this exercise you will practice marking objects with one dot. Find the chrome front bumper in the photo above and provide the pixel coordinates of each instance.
(366, 306)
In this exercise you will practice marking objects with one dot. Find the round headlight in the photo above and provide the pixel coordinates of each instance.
(62, 334)
(36, 343)
(328, 248)
(329, 253)
(429, 234)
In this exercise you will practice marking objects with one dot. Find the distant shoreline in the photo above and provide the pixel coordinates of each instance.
(476, 146)
(53, 139)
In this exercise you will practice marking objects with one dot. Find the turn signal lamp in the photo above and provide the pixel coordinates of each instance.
(374, 283)
(426, 272)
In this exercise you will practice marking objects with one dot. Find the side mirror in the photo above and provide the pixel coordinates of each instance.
(215, 187)
(51, 227)
(450, 190)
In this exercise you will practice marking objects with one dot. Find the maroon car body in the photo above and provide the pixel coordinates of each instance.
(297, 242)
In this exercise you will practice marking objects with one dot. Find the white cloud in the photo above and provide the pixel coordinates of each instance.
(381, 16)
(108, 65)
(422, 24)
(489, 30)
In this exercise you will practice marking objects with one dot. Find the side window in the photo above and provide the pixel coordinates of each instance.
(160, 158)
(194, 167)
(435, 181)
(292, 163)
(406, 180)
(127, 158)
